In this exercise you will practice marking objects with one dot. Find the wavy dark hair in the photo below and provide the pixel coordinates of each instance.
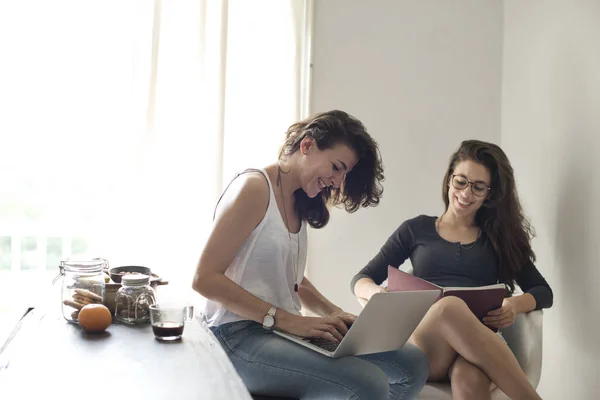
(501, 216)
(361, 187)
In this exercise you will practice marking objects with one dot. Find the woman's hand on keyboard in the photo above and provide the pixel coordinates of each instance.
(346, 317)
(331, 327)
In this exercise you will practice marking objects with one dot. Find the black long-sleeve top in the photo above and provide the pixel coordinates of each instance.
(447, 263)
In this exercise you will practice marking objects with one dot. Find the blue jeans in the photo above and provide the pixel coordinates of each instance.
(271, 365)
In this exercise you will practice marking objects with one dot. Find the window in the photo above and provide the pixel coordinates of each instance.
(120, 120)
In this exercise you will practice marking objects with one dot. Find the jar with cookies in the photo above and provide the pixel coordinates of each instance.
(83, 283)
(133, 299)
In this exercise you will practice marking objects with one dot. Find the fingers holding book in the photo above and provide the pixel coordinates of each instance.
(502, 317)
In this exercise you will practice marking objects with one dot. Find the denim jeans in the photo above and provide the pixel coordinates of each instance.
(271, 365)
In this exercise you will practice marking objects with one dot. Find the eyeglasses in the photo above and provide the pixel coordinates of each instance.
(479, 189)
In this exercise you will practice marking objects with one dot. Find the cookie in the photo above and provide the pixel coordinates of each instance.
(74, 304)
(87, 293)
(75, 314)
(83, 299)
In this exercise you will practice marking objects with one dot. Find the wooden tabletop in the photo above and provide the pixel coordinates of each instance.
(48, 357)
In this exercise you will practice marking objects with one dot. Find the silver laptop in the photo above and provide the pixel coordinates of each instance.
(385, 324)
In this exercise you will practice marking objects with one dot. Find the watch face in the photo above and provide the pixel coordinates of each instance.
(268, 321)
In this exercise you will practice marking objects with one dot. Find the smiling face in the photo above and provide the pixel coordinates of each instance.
(463, 202)
(323, 168)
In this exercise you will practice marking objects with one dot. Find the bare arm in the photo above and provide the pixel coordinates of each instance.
(235, 221)
(314, 301)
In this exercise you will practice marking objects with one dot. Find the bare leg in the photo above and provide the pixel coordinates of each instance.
(468, 381)
(450, 328)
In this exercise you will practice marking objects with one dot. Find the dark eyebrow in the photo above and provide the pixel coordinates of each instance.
(344, 165)
(463, 176)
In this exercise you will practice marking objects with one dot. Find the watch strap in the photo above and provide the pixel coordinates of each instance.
(270, 313)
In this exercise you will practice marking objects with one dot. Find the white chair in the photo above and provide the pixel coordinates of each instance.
(524, 338)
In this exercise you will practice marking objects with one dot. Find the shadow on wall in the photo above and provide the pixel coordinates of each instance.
(577, 240)
(577, 191)
(575, 247)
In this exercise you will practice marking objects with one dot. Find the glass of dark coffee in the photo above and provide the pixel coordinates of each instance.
(168, 320)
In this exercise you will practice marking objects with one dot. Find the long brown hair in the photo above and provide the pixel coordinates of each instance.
(362, 185)
(501, 216)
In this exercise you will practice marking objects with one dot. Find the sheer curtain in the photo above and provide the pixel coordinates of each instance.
(120, 121)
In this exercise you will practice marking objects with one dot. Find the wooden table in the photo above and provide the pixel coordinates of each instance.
(46, 357)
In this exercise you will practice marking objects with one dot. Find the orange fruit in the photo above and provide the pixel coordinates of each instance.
(94, 318)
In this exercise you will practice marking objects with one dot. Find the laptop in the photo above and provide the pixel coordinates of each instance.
(385, 324)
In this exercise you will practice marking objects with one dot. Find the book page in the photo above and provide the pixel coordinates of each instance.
(488, 287)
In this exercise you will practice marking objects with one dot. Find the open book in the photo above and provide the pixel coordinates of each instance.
(481, 299)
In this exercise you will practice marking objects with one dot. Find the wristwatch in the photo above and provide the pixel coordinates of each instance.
(269, 319)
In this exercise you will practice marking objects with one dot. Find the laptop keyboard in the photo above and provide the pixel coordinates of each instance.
(324, 344)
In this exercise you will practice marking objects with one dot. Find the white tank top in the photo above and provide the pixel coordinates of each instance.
(264, 265)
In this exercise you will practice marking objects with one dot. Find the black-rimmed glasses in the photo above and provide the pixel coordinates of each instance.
(478, 188)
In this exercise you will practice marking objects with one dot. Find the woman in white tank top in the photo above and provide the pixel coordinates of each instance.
(252, 268)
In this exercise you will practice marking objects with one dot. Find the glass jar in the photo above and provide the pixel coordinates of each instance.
(133, 299)
(83, 283)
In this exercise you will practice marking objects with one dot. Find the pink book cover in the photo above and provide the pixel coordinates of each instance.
(399, 281)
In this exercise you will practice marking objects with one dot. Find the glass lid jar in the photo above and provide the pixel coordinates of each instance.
(83, 283)
(133, 299)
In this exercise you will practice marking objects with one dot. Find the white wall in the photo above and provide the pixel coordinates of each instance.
(550, 127)
(422, 75)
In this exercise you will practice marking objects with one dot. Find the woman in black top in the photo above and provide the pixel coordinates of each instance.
(481, 239)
